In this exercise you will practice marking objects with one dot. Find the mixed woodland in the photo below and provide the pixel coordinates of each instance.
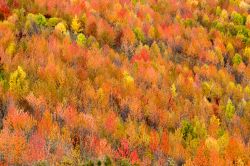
(124, 82)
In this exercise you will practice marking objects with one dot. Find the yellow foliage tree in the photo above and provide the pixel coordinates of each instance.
(75, 25)
(18, 82)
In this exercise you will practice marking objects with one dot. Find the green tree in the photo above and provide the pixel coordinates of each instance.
(237, 59)
(81, 39)
(230, 109)
(139, 35)
(52, 22)
(187, 130)
(237, 18)
(40, 20)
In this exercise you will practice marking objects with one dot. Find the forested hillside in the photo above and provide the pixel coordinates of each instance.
(124, 82)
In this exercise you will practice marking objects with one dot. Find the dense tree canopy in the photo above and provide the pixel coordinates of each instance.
(125, 82)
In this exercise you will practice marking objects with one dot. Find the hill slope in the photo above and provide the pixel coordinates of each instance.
(124, 82)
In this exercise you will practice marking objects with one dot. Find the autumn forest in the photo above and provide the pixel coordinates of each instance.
(124, 82)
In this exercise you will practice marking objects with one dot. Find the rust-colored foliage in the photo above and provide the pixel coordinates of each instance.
(124, 82)
(124, 152)
(164, 143)
(201, 156)
(37, 149)
(14, 149)
(154, 141)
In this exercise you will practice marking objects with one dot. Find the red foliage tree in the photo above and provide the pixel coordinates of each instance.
(36, 148)
(4, 8)
(124, 152)
(154, 141)
(201, 157)
(164, 143)
(143, 55)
